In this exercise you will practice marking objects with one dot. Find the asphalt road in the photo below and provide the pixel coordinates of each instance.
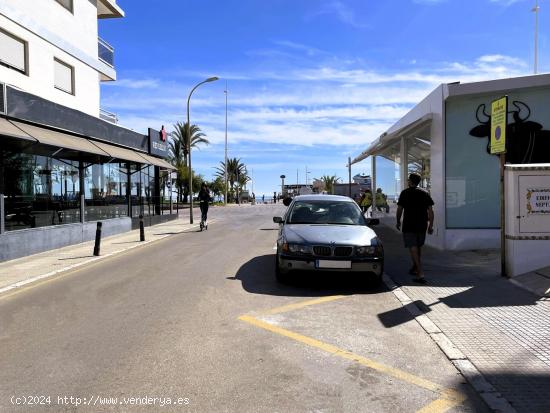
(197, 322)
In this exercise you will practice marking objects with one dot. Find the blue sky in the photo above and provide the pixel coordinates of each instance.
(310, 82)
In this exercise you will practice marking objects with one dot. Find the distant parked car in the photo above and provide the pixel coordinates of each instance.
(327, 233)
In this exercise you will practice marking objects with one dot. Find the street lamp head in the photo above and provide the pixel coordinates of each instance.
(283, 177)
(212, 79)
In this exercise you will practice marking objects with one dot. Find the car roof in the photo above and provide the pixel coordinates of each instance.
(322, 197)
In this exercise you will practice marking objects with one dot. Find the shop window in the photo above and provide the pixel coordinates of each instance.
(13, 52)
(63, 76)
(41, 191)
(68, 4)
(105, 188)
(418, 157)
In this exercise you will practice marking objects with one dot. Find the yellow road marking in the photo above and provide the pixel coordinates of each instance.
(449, 397)
(290, 307)
(439, 405)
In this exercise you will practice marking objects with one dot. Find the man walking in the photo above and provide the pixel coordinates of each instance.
(418, 218)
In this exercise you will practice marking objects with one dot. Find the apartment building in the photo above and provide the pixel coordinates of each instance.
(65, 163)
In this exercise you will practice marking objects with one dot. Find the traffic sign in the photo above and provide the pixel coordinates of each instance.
(499, 121)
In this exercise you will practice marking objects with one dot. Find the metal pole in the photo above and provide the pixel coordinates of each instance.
(225, 164)
(2, 216)
(129, 188)
(141, 229)
(190, 170)
(210, 79)
(349, 176)
(373, 183)
(81, 172)
(97, 245)
(502, 157)
(536, 11)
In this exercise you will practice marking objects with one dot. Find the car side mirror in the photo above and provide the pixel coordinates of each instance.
(373, 221)
(287, 201)
(278, 220)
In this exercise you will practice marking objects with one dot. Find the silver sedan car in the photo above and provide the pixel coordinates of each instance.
(327, 233)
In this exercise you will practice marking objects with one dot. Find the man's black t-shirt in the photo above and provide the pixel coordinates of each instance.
(415, 202)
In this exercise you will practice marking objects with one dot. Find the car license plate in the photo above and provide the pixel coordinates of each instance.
(333, 264)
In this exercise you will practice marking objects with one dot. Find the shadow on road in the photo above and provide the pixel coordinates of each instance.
(258, 277)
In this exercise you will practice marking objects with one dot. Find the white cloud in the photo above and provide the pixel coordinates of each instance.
(342, 12)
(135, 83)
(322, 104)
(505, 3)
(429, 2)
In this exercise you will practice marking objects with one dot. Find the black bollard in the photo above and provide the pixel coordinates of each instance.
(141, 229)
(97, 239)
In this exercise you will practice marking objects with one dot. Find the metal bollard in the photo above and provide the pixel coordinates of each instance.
(141, 229)
(97, 239)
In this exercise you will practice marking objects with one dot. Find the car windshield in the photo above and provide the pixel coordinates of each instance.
(325, 212)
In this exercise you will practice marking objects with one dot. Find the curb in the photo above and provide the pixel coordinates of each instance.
(31, 280)
(494, 400)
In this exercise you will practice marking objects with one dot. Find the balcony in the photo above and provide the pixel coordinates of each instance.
(106, 53)
(108, 116)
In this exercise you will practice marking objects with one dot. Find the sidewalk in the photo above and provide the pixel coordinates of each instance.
(25, 270)
(502, 329)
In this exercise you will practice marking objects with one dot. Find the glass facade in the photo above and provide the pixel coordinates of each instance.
(105, 188)
(39, 191)
(42, 191)
(418, 158)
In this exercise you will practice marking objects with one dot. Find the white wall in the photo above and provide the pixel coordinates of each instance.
(433, 104)
(527, 231)
(53, 31)
(78, 29)
(40, 78)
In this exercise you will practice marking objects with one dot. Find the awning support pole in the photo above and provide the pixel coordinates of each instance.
(373, 185)
(404, 162)
(129, 189)
(81, 169)
(2, 215)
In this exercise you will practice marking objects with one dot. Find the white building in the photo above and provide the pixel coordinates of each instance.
(51, 48)
(445, 138)
(64, 164)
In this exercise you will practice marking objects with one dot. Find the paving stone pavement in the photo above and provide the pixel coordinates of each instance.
(502, 329)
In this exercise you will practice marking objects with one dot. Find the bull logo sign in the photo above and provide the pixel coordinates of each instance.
(526, 141)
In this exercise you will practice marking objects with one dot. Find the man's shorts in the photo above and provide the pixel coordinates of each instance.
(414, 239)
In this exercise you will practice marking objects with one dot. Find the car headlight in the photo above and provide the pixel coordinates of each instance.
(300, 249)
(370, 251)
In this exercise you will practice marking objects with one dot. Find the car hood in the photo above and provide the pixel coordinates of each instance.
(315, 234)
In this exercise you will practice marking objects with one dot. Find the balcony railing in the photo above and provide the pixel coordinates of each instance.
(105, 52)
(108, 116)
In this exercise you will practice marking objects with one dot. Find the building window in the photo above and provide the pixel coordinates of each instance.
(13, 52)
(64, 77)
(68, 4)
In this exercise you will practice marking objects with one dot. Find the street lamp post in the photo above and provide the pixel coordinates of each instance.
(225, 172)
(283, 185)
(210, 79)
(536, 10)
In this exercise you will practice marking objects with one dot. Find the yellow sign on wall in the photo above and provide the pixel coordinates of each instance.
(499, 120)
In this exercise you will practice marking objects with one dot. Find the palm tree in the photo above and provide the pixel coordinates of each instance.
(328, 182)
(179, 147)
(236, 172)
(196, 138)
